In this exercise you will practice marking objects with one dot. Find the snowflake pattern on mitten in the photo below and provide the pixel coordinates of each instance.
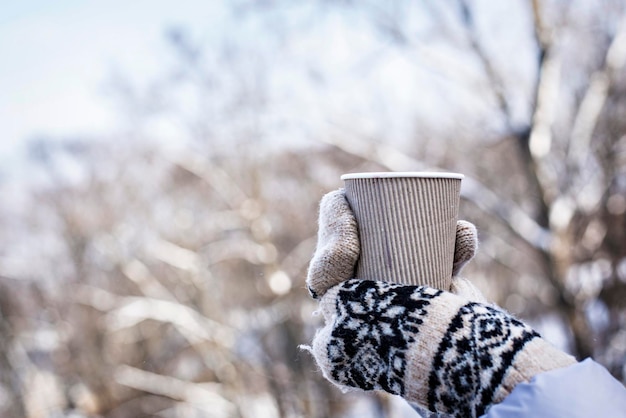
(477, 349)
(375, 326)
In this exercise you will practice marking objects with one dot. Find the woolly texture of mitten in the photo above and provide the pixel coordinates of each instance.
(338, 245)
(434, 348)
(444, 351)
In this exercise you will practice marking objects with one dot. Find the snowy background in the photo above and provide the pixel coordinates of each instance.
(160, 168)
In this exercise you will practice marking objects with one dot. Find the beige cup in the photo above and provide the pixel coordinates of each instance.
(407, 225)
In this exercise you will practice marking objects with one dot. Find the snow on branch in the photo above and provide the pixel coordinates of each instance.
(595, 97)
(202, 396)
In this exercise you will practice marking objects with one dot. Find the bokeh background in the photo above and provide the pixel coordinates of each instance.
(161, 166)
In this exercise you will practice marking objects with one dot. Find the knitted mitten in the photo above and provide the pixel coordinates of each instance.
(431, 347)
(438, 349)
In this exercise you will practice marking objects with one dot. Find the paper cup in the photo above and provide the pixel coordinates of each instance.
(407, 225)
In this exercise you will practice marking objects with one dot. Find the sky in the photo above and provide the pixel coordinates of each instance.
(58, 56)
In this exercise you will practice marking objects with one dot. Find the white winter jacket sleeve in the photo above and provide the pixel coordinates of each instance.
(584, 389)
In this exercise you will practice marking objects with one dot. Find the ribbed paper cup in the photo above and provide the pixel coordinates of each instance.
(407, 225)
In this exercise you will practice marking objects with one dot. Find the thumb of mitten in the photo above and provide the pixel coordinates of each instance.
(465, 248)
(465, 245)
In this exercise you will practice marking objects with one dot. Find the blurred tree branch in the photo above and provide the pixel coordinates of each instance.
(148, 270)
(203, 396)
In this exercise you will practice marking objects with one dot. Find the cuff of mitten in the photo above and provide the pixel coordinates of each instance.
(538, 356)
(472, 356)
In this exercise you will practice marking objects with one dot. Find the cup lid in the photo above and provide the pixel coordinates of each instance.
(398, 174)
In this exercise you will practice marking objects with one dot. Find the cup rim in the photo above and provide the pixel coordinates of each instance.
(398, 174)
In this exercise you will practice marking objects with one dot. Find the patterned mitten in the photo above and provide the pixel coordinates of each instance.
(438, 349)
(431, 347)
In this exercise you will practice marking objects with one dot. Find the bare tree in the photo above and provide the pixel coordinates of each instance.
(142, 279)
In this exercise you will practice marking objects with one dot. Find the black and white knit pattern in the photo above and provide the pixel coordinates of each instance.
(473, 358)
(377, 323)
